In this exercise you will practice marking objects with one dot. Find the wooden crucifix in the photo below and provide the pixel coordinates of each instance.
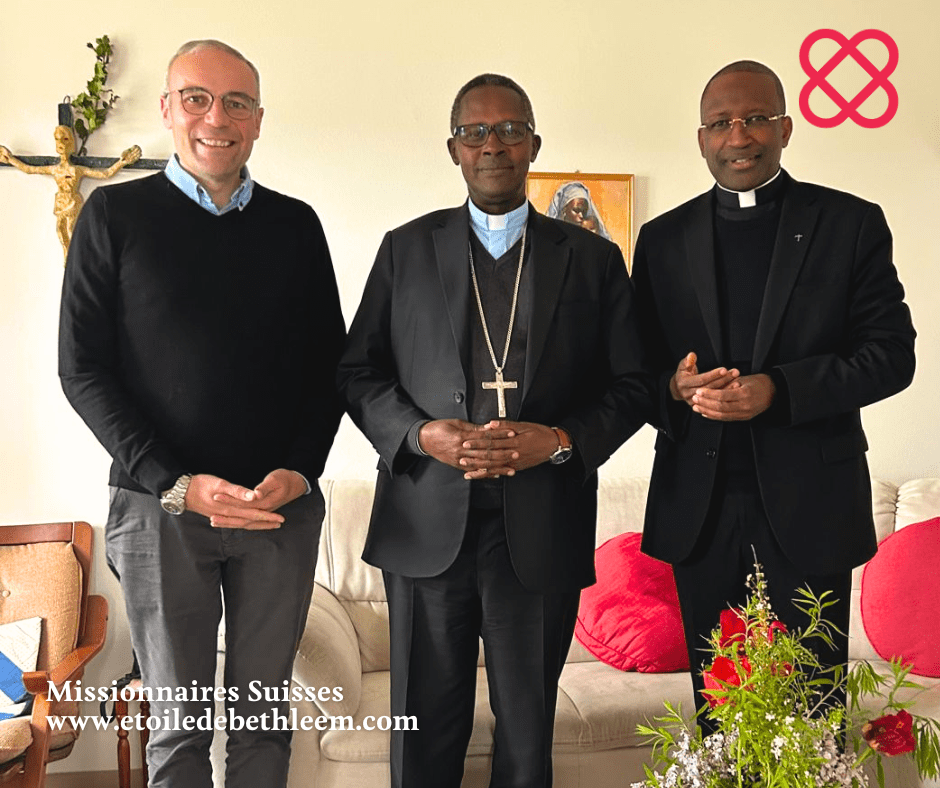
(68, 171)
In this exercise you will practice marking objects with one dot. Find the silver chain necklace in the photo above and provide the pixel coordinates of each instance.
(499, 384)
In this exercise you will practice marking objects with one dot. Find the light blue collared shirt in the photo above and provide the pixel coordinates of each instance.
(187, 184)
(498, 233)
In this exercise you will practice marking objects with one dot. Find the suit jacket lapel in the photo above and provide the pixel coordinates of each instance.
(699, 240)
(794, 235)
(549, 257)
(451, 245)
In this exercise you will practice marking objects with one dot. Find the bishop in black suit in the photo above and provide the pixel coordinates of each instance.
(772, 313)
(484, 522)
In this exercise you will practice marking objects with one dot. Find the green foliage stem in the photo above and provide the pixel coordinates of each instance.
(778, 719)
(96, 101)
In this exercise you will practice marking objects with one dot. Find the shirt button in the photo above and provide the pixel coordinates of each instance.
(458, 397)
(711, 453)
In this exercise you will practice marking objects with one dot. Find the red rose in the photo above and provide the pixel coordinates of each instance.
(775, 626)
(891, 734)
(733, 627)
(722, 674)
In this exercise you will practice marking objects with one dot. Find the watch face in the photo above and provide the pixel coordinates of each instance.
(172, 507)
(560, 456)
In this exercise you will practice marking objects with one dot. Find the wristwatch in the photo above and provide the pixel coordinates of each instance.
(173, 500)
(563, 452)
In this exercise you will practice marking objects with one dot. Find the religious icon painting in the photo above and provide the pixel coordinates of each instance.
(600, 203)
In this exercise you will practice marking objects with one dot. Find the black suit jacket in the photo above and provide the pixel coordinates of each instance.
(833, 323)
(405, 361)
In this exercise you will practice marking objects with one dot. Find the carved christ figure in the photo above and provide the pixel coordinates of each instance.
(68, 177)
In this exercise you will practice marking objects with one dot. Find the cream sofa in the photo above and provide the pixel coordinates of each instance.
(596, 745)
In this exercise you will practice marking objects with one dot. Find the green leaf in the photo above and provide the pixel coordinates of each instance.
(95, 103)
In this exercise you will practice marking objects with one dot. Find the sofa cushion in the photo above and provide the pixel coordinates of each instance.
(901, 597)
(599, 707)
(591, 714)
(630, 617)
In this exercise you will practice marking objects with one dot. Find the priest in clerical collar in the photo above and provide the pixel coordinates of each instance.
(494, 364)
(772, 313)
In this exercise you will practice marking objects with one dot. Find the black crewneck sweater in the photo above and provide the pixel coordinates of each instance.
(195, 343)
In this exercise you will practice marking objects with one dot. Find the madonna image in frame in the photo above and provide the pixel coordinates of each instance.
(601, 203)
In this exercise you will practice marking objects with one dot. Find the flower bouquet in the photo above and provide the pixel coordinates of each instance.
(778, 714)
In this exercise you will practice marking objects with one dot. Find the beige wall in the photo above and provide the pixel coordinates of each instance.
(357, 97)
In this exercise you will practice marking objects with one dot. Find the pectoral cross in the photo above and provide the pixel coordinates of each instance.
(500, 385)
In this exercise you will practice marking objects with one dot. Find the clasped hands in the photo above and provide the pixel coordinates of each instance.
(487, 451)
(230, 505)
(721, 394)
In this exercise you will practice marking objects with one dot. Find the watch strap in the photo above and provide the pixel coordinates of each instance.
(173, 500)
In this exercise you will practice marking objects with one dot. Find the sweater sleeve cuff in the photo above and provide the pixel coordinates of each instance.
(411, 439)
(157, 474)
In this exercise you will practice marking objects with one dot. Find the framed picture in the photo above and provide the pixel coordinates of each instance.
(598, 202)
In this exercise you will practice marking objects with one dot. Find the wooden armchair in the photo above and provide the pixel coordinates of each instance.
(44, 571)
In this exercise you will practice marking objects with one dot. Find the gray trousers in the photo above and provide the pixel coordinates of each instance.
(175, 572)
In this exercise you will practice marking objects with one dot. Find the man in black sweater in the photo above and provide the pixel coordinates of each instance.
(200, 332)
(772, 312)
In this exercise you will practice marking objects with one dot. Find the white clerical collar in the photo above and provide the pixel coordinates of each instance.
(748, 199)
(499, 232)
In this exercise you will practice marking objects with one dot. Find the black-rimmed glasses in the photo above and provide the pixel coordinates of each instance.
(509, 132)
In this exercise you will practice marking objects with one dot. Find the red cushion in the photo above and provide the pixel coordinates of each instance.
(630, 617)
(901, 597)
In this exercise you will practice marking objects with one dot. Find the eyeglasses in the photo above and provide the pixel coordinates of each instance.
(753, 122)
(197, 101)
(509, 132)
